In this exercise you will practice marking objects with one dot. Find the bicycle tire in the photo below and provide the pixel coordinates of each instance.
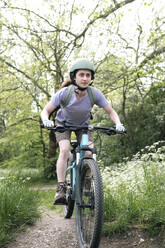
(89, 216)
(69, 208)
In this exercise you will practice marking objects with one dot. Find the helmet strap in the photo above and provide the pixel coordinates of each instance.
(80, 88)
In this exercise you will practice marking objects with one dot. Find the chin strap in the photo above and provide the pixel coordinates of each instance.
(80, 88)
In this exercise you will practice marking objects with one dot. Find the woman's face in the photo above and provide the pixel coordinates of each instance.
(83, 78)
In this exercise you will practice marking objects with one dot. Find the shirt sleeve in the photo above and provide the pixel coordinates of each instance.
(58, 97)
(100, 99)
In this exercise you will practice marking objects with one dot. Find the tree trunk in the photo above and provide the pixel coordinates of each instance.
(50, 169)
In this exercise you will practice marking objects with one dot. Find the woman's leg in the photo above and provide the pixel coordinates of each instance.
(64, 146)
(60, 196)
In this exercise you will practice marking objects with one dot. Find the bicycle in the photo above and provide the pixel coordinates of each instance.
(84, 187)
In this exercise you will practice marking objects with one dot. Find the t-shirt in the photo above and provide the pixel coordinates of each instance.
(77, 112)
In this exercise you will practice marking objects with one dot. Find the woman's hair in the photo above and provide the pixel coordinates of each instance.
(66, 83)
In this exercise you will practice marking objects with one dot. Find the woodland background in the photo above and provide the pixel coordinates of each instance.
(125, 40)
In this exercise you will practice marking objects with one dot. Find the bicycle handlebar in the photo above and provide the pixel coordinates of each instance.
(106, 130)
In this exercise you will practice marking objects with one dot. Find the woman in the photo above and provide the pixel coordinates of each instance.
(77, 112)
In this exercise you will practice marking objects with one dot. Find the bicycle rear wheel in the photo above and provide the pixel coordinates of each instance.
(89, 214)
(68, 209)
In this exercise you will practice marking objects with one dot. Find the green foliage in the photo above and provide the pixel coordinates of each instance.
(35, 57)
(49, 170)
(134, 192)
(18, 206)
(146, 120)
(110, 149)
(22, 146)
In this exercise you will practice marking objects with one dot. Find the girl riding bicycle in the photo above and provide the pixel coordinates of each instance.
(77, 111)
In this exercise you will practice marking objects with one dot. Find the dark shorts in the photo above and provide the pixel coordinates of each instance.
(67, 134)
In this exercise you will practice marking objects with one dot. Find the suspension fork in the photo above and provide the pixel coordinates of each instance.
(78, 167)
(80, 156)
(80, 152)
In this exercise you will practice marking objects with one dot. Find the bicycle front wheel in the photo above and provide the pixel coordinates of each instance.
(89, 214)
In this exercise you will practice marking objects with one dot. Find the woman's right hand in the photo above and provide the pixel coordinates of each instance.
(48, 123)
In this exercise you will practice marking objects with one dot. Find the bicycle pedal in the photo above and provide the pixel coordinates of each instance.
(59, 204)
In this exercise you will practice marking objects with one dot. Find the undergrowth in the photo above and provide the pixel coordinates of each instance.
(135, 192)
(18, 206)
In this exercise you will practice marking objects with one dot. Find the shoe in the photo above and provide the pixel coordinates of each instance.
(60, 196)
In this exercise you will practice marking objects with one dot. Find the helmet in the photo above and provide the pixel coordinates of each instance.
(82, 64)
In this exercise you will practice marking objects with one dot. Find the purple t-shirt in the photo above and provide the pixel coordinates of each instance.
(78, 110)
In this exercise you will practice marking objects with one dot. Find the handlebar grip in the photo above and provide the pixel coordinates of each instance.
(60, 129)
(113, 131)
(42, 126)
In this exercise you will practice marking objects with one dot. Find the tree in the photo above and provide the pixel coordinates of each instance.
(46, 45)
(131, 83)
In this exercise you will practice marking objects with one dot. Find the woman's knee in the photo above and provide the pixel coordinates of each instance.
(64, 148)
(88, 153)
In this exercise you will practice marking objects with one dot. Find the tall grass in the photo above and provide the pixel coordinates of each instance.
(135, 192)
(33, 174)
(18, 206)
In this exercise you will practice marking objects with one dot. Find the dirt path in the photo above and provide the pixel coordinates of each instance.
(53, 231)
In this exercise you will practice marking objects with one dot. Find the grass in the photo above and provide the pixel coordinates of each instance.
(20, 203)
(46, 198)
(135, 193)
(33, 175)
(18, 207)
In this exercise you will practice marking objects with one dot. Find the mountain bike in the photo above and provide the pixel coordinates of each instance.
(84, 187)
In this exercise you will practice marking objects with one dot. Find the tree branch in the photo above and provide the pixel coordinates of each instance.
(108, 11)
(152, 55)
(26, 76)
(23, 120)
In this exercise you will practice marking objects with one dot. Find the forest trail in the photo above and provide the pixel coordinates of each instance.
(53, 231)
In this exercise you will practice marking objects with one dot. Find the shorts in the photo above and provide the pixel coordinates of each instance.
(67, 134)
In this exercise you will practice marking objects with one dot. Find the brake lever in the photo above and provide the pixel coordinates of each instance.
(110, 132)
(120, 132)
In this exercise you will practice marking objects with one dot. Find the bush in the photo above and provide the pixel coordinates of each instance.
(135, 192)
(18, 206)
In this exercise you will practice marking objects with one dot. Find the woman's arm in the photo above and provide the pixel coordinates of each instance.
(48, 109)
(112, 114)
